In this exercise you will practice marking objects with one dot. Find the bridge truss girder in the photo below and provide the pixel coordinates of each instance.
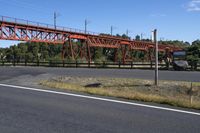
(11, 29)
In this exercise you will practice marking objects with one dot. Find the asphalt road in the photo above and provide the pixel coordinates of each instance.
(9, 72)
(28, 111)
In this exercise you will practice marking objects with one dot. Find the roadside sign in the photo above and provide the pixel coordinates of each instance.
(179, 53)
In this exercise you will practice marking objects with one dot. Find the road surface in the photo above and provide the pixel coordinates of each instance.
(7, 72)
(31, 111)
(23, 111)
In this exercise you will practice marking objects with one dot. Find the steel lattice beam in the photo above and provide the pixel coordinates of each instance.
(23, 30)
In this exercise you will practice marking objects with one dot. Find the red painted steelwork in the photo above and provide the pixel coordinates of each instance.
(23, 30)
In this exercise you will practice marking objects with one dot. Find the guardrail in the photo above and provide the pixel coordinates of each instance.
(44, 25)
(50, 26)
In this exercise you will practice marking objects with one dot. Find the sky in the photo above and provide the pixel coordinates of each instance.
(174, 19)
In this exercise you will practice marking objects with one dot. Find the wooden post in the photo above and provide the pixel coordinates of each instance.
(131, 65)
(76, 64)
(156, 55)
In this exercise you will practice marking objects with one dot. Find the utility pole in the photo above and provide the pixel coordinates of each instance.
(141, 36)
(127, 31)
(55, 18)
(86, 24)
(154, 39)
(111, 30)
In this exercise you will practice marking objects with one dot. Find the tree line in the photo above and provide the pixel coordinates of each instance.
(32, 51)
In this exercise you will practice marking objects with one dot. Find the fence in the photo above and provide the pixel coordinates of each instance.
(76, 64)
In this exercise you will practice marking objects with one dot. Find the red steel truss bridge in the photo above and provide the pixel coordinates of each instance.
(24, 30)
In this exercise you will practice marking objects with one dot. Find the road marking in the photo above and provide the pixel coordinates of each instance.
(101, 99)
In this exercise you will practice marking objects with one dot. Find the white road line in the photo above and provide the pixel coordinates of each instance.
(101, 99)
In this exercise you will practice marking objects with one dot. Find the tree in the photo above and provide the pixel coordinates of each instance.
(193, 54)
(118, 35)
(137, 37)
(29, 57)
(16, 53)
(98, 55)
(23, 50)
(125, 36)
(175, 43)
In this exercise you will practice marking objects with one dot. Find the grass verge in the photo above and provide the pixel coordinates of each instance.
(178, 94)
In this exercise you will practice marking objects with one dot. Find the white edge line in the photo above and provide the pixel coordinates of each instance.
(102, 99)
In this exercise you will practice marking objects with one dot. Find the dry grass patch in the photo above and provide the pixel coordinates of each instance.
(168, 92)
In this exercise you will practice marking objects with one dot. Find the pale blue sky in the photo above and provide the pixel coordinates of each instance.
(174, 19)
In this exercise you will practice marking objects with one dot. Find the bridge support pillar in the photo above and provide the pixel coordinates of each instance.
(63, 51)
(71, 48)
(88, 51)
(168, 58)
(151, 56)
(115, 55)
(126, 54)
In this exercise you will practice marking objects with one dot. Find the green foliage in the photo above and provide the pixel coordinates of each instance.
(32, 51)
(29, 57)
(175, 43)
(98, 55)
(193, 52)
(137, 37)
(125, 36)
